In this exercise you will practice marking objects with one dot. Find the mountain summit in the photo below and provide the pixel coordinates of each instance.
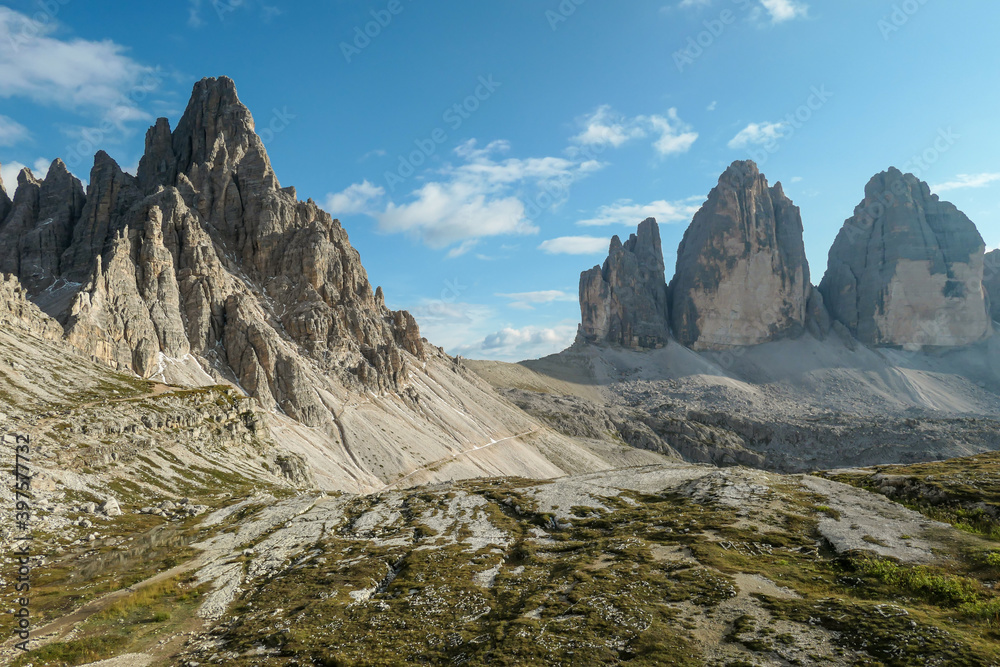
(742, 275)
(204, 257)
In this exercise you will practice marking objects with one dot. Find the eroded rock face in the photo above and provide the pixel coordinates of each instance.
(991, 281)
(204, 254)
(742, 275)
(18, 312)
(907, 269)
(625, 301)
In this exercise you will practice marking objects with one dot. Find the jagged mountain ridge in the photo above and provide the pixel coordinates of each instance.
(908, 270)
(192, 254)
(625, 301)
(203, 270)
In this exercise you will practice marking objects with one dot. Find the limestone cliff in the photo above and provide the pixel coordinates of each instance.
(907, 269)
(625, 301)
(204, 256)
(742, 276)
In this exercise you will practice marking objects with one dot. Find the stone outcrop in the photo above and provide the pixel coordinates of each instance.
(742, 276)
(18, 312)
(204, 255)
(991, 281)
(907, 269)
(625, 301)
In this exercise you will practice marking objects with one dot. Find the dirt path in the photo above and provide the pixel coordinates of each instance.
(56, 630)
(432, 464)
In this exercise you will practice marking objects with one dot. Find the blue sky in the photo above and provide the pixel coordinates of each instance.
(482, 154)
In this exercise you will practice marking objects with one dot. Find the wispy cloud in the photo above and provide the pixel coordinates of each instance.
(483, 196)
(516, 344)
(357, 198)
(776, 11)
(575, 245)
(785, 10)
(604, 127)
(88, 77)
(12, 132)
(528, 300)
(963, 181)
(223, 8)
(627, 212)
(758, 134)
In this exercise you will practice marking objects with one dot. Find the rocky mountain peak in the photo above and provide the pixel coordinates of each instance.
(907, 269)
(625, 301)
(742, 275)
(203, 257)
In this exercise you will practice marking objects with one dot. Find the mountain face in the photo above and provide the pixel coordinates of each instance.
(742, 276)
(907, 269)
(204, 256)
(625, 301)
(991, 281)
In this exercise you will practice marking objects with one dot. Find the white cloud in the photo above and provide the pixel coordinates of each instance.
(453, 324)
(758, 134)
(80, 75)
(528, 300)
(712, 107)
(9, 172)
(12, 132)
(695, 3)
(676, 136)
(968, 181)
(785, 10)
(796, 179)
(357, 198)
(378, 152)
(462, 248)
(626, 212)
(605, 127)
(483, 197)
(516, 344)
(576, 245)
